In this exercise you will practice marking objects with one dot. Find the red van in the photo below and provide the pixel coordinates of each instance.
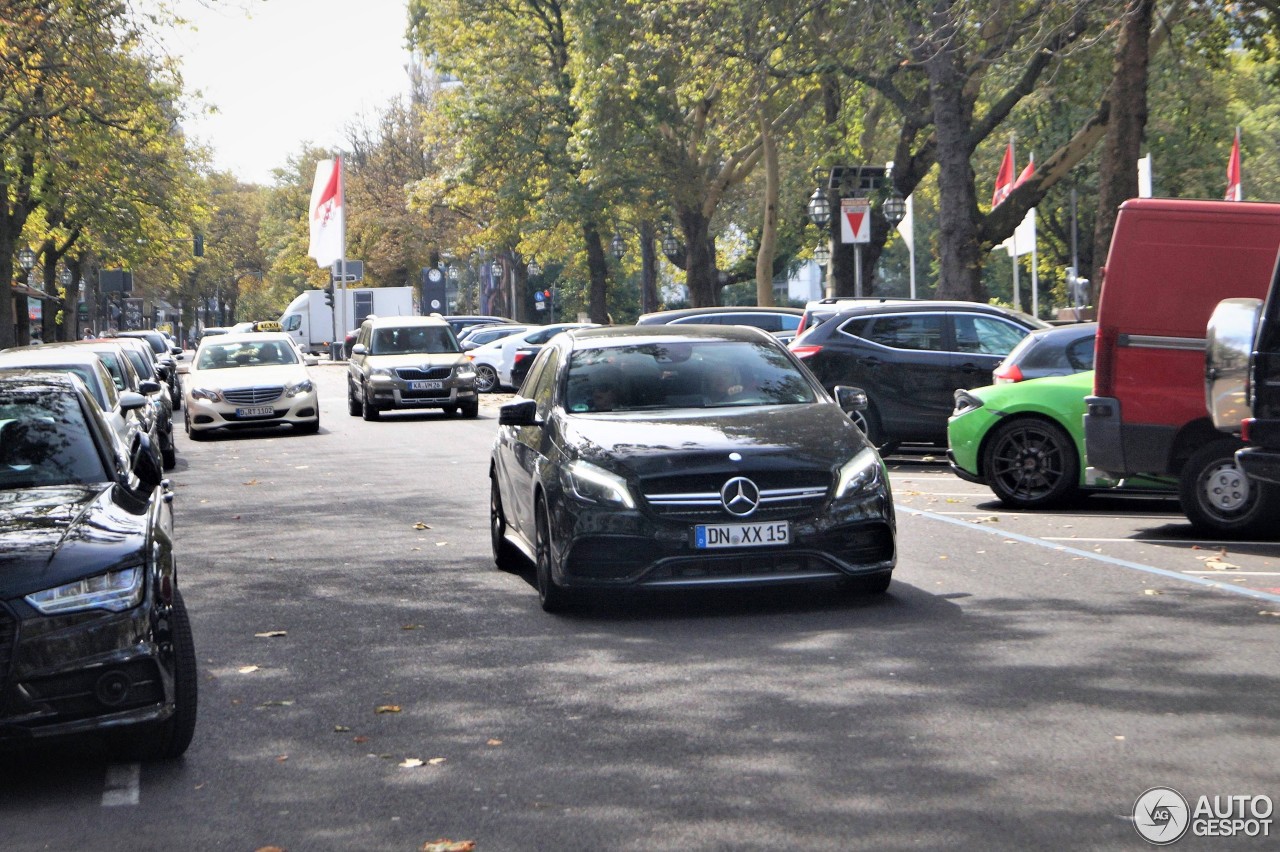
(1171, 262)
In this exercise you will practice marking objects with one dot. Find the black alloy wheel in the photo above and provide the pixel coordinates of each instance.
(169, 739)
(552, 596)
(1031, 463)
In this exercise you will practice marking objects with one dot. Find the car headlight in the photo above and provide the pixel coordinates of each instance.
(207, 394)
(115, 591)
(596, 485)
(465, 372)
(304, 386)
(381, 372)
(965, 402)
(860, 473)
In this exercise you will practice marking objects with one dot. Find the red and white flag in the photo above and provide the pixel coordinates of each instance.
(1004, 180)
(1234, 190)
(1026, 173)
(328, 225)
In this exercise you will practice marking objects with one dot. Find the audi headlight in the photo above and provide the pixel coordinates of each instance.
(860, 473)
(596, 485)
(304, 386)
(207, 394)
(115, 591)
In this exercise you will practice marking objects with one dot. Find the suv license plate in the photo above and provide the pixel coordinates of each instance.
(258, 411)
(431, 385)
(709, 536)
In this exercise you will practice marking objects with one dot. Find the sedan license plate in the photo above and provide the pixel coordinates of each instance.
(428, 385)
(709, 536)
(256, 411)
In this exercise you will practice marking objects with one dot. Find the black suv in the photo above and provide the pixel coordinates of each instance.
(910, 357)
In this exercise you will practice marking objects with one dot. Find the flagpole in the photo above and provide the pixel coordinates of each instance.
(1035, 272)
(911, 211)
(1017, 298)
(342, 261)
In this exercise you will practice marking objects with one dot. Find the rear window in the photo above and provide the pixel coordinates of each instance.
(45, 440)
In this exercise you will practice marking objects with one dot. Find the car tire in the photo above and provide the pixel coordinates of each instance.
(868, 420)
(309, 428)
(193, 434)
(470, 410)
(1217, 497)
(504, 554)
(169, 455)
(170, 738)
(1030, 463)
(354, 406)
(367, 409)
(486, 379)
(552, 596)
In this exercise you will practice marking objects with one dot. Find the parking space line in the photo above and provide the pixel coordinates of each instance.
(1202, 543)
(1231, 572)
(122, 785)
(1098, 557)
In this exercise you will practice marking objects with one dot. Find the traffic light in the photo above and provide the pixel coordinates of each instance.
(328, 294)
(197, 247)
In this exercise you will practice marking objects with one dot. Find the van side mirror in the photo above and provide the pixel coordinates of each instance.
(1229, 340)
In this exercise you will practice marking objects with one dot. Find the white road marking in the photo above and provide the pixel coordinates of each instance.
(1202, 543)
(994, 529)
(1230, 572)
(122, 785)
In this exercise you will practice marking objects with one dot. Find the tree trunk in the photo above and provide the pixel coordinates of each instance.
(598, 268)
(648, 267)
(1127, 120)
(700, 260)
(769, 227)
(960, 263)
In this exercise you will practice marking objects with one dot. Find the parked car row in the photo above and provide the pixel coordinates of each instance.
(94, 633)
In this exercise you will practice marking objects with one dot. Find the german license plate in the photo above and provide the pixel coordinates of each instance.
(710, 536)
(256, 411)
(428, 385)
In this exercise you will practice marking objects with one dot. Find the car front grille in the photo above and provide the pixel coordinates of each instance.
(413, 374)
(253, 396)
(696, 497)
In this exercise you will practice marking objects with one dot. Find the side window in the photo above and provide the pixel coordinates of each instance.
(292, 322)
(788, 322)
(1080, 354)
(910, 331)
(542, 385)
(986, 335)
(765, 322)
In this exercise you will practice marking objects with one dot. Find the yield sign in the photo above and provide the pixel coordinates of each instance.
(855, 220)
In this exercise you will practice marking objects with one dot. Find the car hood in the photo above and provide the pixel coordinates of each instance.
(56, 534)
(418, 359)
(247, 377)
(817, 437)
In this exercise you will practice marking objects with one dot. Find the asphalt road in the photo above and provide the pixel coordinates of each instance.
(370, 681)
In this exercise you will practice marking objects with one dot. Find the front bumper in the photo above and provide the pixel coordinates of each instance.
(396, 393)
(603, 548)
(206, 415)
(81, 673)
(1261, 463)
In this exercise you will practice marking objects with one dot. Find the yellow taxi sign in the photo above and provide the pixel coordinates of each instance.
(266, 325)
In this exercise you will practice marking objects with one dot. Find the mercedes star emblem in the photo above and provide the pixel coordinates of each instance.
(740, 496)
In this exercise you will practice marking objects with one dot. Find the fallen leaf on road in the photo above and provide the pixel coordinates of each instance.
(360, 739)
(494, 742)
(387, 708)
(989, 519)
(1218, 565)
(282, 758)
(421, 526)
(271, 634)
(340, 729)
(436, 761)
(1151, 592)
(441, 543)
(411, 763)
(271, 849)
(276, 704)
(251, 482)
(444, 844)
(247, 669)
(1268, 612)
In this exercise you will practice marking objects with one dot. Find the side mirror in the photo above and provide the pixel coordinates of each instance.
(523, 412)
(132, 400)
(851, 399)
(147, 387)
(1228, 344)
(145, 466)
(176, 350)
(359, 349)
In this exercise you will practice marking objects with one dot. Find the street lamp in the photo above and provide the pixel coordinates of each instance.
(64, 277)
(26, 259)
(617, 246)
(819, 209)
(533, 268)
(671, 246)
(821, 254)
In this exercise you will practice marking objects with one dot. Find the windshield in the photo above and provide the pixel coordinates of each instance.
(222, 356)
(684, 374)
(45, 440)
(141, 363)
(409, 340)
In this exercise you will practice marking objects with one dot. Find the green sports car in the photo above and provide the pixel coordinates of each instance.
(1025, 441)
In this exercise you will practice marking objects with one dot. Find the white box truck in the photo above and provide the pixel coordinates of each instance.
(309, 321)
